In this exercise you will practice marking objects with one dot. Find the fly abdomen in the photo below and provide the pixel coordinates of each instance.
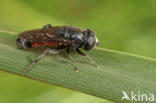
(22, 44)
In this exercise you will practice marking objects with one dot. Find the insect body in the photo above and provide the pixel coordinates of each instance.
(60, 37)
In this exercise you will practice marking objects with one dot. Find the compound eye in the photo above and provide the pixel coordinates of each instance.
(90, 43)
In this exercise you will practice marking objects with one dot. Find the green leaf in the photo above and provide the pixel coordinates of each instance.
(118, 71)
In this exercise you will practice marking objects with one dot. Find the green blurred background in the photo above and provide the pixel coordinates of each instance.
(124, 25)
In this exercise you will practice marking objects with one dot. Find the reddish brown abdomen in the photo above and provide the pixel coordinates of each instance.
(37, 44)
(37, 37)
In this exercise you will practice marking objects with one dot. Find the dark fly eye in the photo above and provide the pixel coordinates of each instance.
(90, 43)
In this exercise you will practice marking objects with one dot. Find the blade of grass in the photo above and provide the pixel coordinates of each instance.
(118, 71)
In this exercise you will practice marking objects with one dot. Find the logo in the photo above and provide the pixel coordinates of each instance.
(137, 96)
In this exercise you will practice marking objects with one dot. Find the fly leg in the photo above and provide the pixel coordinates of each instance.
(47, 26)
(35, 61)
(71, 58)
(93, 63)
(49, 50)
(54, 51)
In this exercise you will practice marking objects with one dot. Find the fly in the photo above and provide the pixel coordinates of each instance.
(60, 37)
